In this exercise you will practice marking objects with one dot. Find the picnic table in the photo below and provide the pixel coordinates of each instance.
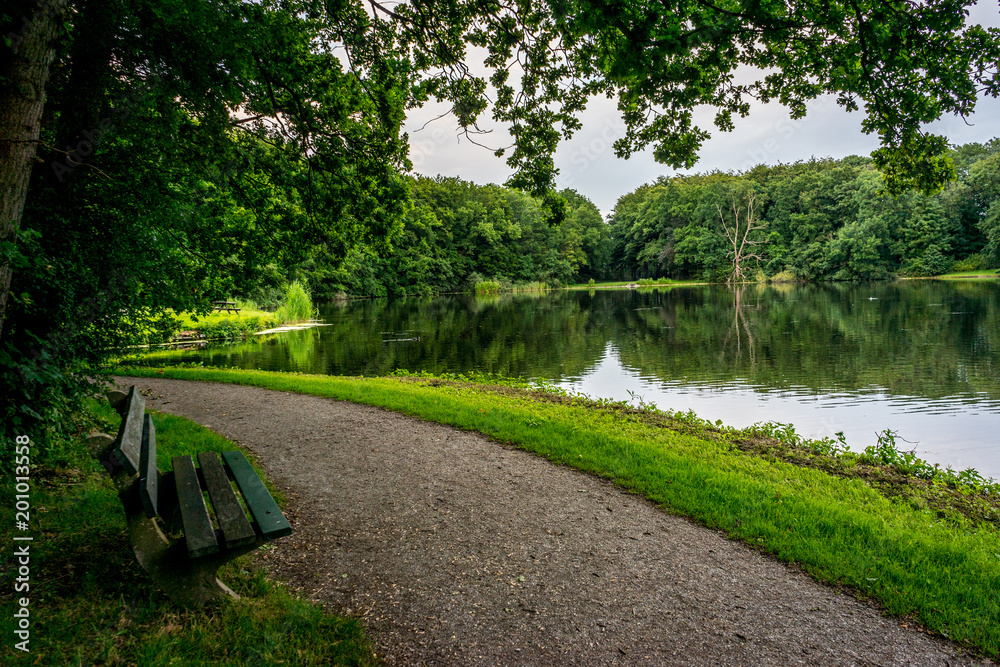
(228, 306)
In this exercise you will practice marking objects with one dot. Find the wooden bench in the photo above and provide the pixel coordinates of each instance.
(228, 306)
(158, 505)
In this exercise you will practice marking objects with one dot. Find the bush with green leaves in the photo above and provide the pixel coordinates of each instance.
(974, 262)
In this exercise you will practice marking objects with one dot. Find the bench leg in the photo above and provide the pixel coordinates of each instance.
(189, 583)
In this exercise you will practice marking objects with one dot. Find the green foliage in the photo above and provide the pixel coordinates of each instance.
(905, 67)
(932, 262)
(148, 198)
(297, 305)
(886, 452)
(984, 183)
(820, 220)
(530, 287)
(974, 262)
(457, 234)
(784, 276)
(234, 328)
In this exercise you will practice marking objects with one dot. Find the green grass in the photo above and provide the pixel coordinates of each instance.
(227, 325)
(530, 287)
(296, 306)
(191, 321)
(980, 273)
(91, 603)
(910, 559)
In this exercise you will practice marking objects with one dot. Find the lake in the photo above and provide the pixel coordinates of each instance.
(919, 357)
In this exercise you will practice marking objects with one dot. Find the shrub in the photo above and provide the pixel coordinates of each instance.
(785, 276)
(975, 262)
(247, 304)
(234, 328)
(932, 262)
(267, 298)
(297, 305)
(591, 282)
(474, 279)
(487, 287)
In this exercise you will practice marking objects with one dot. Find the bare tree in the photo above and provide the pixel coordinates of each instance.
(738, 232)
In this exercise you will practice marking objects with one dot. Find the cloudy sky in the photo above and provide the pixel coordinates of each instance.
(588, 164)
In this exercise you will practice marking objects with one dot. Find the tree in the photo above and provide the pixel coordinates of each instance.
(22, 99)
(984, 180)
(739, 225)
(823, 219)
(184, 145)
(184, 148)
(906, 63)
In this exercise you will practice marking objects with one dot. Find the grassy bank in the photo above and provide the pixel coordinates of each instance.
(934, 564)
(642, 282)
(225, 325)
(295, 306)
(91, 603)
(981, 273)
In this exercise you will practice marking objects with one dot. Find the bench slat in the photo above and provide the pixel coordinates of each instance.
(233, 521)
(198, 530)
(126, 452)
(149, 476)
(270, 520)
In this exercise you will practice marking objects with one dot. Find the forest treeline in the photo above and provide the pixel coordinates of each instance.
(817, 220)
(458, 233)
(823, 219)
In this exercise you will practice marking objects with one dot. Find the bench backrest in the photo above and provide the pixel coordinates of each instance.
(126, 453)
(134, 450)
(149, 474)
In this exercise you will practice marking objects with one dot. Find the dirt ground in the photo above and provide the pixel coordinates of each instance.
(457, 550)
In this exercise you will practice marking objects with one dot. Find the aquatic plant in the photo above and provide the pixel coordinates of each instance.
(297, 305)
(487, 287)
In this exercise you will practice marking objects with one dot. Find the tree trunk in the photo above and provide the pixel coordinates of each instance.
(22, 99)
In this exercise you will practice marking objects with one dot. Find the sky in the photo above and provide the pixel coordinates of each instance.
(587, 162)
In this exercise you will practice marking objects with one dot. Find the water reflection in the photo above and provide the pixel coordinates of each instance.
(952, 430)
(921, 358)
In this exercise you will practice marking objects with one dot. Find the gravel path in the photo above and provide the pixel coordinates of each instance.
(457, 550)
